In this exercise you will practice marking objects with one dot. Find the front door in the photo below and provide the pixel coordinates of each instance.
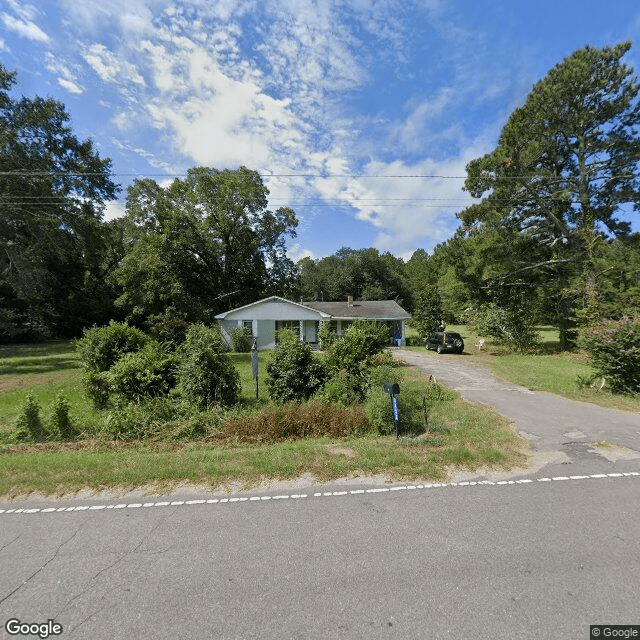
(310, 333)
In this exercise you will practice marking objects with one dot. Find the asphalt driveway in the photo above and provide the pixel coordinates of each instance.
(557, 428)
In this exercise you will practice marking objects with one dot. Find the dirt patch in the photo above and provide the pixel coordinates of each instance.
(34, 380)
(613, 452)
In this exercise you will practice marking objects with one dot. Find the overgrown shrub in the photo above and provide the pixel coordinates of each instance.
(139, 420)
(508, 326)
(292, 421)
(428, 313)
(338, 390)
(326, 336)
(206, 375)
(241, 339)
(97, 387)
(148, 373)
(294, 374)
(161, 419)
(354, 352)
(29, 427)
(614, 350)
(383, 368)
(101, 347)
(60, 425)
(169, 330)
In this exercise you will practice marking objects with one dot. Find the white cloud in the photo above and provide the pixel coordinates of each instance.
(113, 210)
(70, 86)
(132, 17)
(410, 205)
(66, 78)
(296, 253)
(25, 28)
(110, 67)
(264, 84)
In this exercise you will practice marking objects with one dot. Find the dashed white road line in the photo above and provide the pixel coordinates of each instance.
(323, 494)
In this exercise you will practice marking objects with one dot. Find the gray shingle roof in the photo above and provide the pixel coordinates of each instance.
(369, 309)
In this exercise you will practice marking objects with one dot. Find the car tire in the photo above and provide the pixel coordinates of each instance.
(458, 345)
(440, 348)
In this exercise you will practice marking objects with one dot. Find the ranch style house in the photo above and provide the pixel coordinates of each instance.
(265, 317)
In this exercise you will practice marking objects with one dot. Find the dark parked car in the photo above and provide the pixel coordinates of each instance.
(442, 341)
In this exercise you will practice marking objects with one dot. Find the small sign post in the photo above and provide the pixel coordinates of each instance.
(394, 390)
(254, 364)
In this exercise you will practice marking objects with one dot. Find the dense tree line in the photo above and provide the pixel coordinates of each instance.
(53, 247)
(545, 243)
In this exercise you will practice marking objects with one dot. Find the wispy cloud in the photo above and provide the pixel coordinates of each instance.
(110, 67)
(24, 27)
(66, 78)
(267, 84)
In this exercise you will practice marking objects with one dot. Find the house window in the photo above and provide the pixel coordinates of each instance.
(248, 326)
(292, 325)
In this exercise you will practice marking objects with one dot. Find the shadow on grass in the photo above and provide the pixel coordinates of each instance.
(53, 348)
(24, 366)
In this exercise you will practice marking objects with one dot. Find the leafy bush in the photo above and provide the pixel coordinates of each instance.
(206, 375)
(29, 427)
(97, 388)
(292, 421)
(169, 330)
(294, 374)
(428, 312)
(326, 336)
(241, 339)
(339, 390)
(355, 351)
(383, 368)
(101, 347)
(508, 326)
(61, 427)
(139, 420)
(147, 373)
(614, 349)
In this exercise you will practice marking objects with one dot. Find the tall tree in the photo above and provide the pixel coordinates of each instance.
(566, 164)
(203, 244)
(365, 274)
(52, 190)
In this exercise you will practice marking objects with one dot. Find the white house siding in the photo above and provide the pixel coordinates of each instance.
(264, 315)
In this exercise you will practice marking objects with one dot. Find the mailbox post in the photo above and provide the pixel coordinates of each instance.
(394, 390)
(254, 364)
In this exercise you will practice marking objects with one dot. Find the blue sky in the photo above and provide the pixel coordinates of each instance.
(360, 114)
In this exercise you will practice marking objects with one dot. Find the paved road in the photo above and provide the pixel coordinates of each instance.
(537, 558)
(556, 427)
(541, 555)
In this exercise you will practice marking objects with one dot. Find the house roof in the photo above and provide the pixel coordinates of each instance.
(277, 299)
(368, 309)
